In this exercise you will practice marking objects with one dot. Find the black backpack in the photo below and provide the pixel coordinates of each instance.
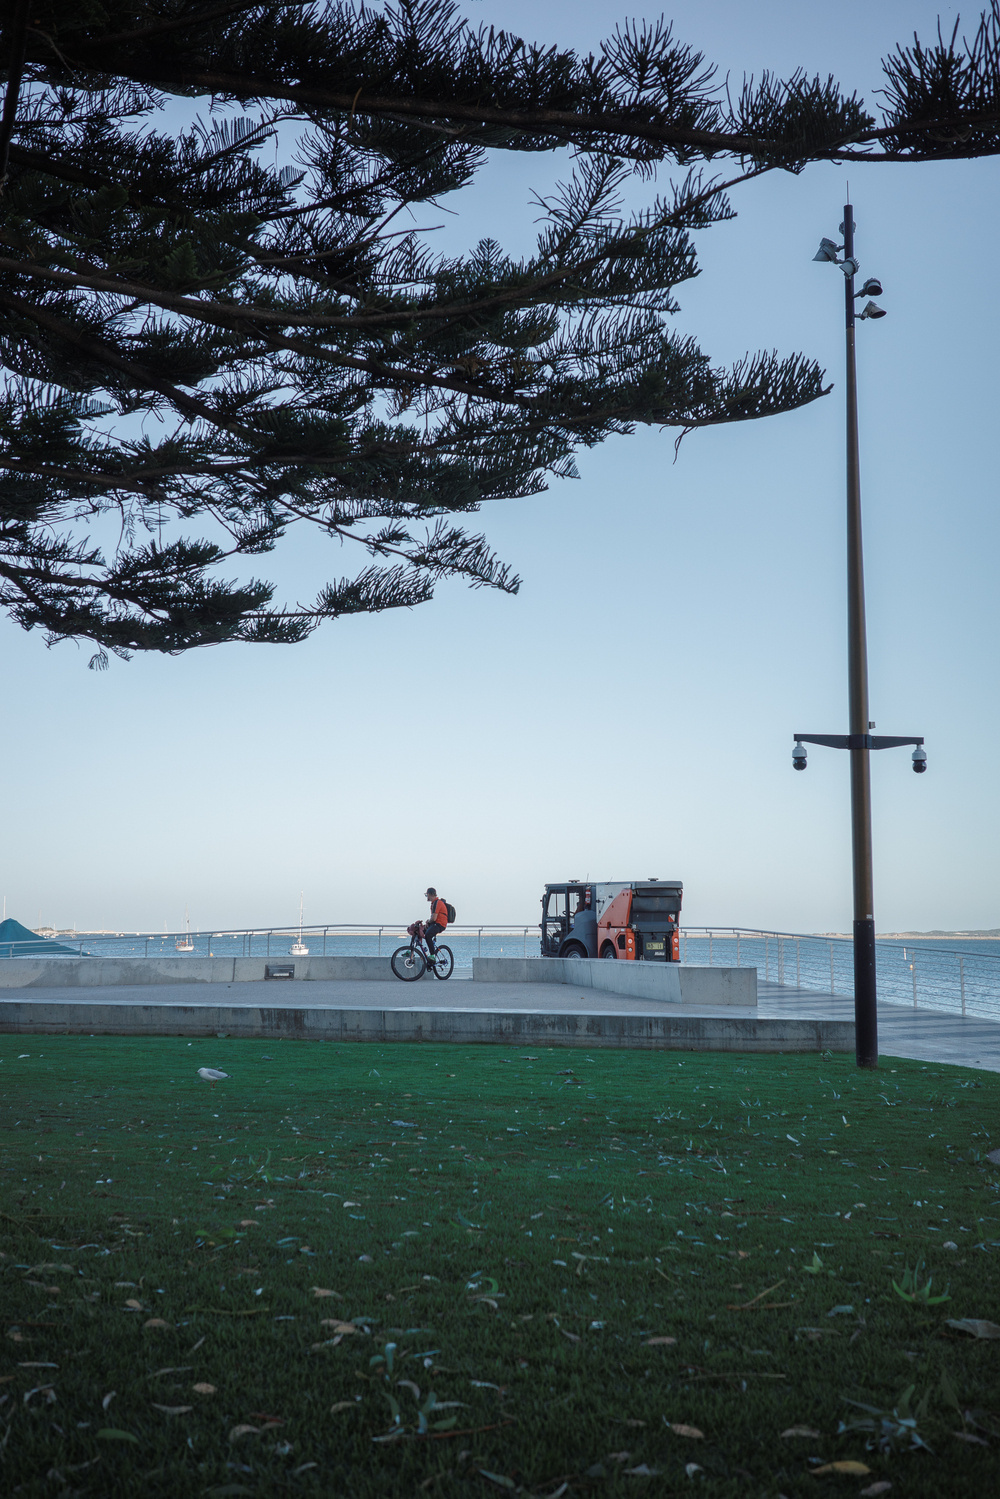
(451, 912)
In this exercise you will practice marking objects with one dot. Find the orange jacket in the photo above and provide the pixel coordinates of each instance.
(439, 913)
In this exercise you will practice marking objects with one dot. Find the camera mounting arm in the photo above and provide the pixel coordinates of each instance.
(858, 742)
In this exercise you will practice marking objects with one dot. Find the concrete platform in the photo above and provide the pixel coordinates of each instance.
(512, 1014)
(662, 983)
(670, 983)
(181, 968)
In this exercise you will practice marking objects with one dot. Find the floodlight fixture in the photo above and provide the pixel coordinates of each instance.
(872, 310)
(828, 251)
(849, 266)
(871, 288)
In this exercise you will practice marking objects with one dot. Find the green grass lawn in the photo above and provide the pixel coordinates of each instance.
(394, 1270)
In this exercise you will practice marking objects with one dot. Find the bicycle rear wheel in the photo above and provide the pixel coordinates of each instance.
(443, 962)
(408, 963)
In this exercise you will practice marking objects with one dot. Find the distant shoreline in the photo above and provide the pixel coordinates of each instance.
(979, 936)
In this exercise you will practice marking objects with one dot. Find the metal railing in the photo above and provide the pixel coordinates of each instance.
(345, 939)
(937, 978)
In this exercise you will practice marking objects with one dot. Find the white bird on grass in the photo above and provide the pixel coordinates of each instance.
(211, 1075)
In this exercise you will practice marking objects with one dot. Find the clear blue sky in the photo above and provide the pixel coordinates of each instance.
(630, 713)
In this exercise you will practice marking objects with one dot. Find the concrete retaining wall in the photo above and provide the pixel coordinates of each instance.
(78, 973)
(319, 1023)
(670, 983)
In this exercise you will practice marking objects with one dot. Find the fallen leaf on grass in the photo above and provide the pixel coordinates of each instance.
(799, 1431)
(112, 1434)
(131, 1305)
(322, 1291)
(659, 1342)
(573, 1336)
(644, 1471)
(242, 1431)
(156, 1322)
(975, 1326)
(847, 1465)
(505, 1483)
(680, 1430)
(203, 1389)
(172, 1410)
(108, 1399)
(341, 1327)
(743, 1306)
(843, 1310)
(692, 1468)
(968, 1436)
(42, 1389)
(343, 1405)
(249, 1223)
(881, 1487)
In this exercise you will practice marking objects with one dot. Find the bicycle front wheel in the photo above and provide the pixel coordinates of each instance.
(444, 962)
(408, 963)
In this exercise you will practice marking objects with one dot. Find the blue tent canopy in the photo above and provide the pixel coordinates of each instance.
(16, 941)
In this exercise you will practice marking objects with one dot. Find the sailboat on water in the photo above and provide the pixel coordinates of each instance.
(184, 943)
(297, 949)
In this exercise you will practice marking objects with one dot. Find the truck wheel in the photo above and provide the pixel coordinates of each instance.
(574, 950)
(608, 950)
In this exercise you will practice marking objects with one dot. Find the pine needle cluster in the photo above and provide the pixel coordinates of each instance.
(201, 347)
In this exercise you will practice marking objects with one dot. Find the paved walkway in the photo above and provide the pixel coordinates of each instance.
(923, 1035)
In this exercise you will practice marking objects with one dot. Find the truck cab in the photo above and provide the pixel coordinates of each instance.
(612, 919)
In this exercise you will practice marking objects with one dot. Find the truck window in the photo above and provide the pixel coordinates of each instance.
(556, 925)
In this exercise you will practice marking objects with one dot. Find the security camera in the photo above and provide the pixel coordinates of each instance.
(919, 759)
(799, 756)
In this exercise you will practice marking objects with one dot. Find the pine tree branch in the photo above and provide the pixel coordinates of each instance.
(18, 40)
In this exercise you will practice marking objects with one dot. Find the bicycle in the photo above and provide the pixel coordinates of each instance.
(412, 962)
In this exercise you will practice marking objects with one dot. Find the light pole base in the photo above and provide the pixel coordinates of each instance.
(865, 994)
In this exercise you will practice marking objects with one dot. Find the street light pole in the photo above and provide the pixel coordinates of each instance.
(860, 741)
(865, 1001)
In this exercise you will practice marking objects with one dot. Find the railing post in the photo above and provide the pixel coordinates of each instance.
(737, 949)
(798, 963)
(480, 941)
(832, 988)
(913, 970)
(781, 961)
(380, 941)
(269, 944)
(961, 979)
(710, 949)
(767, 957)
(526, 942)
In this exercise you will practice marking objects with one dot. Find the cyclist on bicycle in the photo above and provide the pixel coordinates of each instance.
(439, 916)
